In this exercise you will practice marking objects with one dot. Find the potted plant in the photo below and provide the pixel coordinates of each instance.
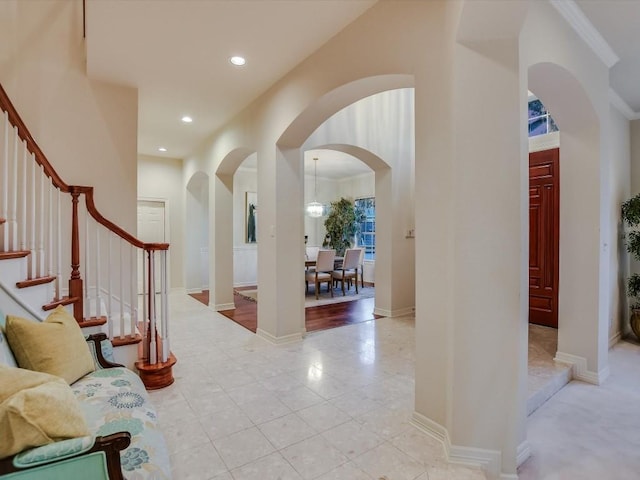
(342, 224)
(631, 218)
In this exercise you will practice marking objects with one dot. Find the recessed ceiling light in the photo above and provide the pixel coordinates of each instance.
(162, 149)
(238, 61)
(187, 119)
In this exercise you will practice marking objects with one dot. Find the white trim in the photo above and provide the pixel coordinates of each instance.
(222, 306)
(579, 368)
(576, 18)
(490, 461)
(615, 339)
(431, 428)
(191, 290)
(394, 313)
(523, 452)
(544, 142)
(623, 107)
(244, 284)
(294, 337)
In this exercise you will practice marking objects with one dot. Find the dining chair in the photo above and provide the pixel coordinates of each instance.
(361, 268)
(349, 270)
(322, 272)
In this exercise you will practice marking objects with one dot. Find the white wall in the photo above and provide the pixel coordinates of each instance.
(87, 129)
(161, 179)
(196, 217)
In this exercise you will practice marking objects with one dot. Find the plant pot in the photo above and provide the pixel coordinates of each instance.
(635, 322)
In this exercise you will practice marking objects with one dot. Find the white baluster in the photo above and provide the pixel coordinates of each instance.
(165, 310)
(32, 240)
(87, 303)
(13, 214)
(5, 183)
(110, 286)
(50, 225)
(120, 242)
(41, 225)
(97, 255)
(59, 245)
(145, 317)
(25, 213)
(132, 289)
(153, 358)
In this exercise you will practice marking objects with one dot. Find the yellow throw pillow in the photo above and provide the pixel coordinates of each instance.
(36, 409)
(55, 346)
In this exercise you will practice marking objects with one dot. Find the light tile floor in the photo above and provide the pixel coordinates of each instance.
(335, 406)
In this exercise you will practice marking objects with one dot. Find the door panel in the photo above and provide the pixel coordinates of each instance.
(544, 226)
(151, 229)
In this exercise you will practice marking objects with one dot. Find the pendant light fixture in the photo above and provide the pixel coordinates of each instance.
(315, 209)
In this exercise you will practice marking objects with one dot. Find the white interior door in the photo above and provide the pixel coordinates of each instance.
(151, 229)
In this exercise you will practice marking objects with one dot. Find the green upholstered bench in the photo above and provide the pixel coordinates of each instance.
(125, 441)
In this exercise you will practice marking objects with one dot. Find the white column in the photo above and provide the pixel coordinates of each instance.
(221, 242)
(280, 245)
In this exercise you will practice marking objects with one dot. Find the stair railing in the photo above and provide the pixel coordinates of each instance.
(43, 216)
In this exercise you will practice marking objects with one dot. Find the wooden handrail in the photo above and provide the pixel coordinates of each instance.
(32, 146)
(98, 217)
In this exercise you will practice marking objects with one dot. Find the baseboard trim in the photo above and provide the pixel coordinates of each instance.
(192, 290)
(489, 461)
(223, 306)
(394, 313)
(523, 452)
(579, 369)
(431, 428)
(615, 339)
(291, 338)
(245, 284)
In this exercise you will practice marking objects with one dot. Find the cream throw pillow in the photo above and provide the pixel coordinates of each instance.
(55, 346)
(36, 409)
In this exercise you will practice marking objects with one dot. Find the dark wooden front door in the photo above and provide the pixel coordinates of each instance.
(544, 226)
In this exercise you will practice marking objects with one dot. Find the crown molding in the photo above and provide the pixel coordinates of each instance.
(622, 106)
(572, 13)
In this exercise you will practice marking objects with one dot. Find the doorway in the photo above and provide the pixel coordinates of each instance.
(151, 229)
(544, 244)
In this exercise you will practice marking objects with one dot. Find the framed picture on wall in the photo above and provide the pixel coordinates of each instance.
(251, 217)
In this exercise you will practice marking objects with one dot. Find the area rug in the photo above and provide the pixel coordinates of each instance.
(251, 295)
(325, 297)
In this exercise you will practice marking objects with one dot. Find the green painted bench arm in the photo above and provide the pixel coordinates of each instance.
(100, 461)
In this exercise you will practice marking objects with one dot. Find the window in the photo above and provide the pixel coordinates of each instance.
(540, 122)
(367, 234)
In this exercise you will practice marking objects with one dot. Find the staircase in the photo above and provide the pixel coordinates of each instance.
(57, 249)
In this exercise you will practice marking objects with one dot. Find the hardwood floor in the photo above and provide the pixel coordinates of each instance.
(316, 318)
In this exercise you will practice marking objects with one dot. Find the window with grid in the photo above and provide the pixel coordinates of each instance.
(367, 234)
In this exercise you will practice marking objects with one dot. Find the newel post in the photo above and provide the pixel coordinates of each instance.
(75, 282)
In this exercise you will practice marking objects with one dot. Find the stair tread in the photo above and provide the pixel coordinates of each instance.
(126, 340)
(35, 281)
(15, 254)
(62, 301)
(93, 322)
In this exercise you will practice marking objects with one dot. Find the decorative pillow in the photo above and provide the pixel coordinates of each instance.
(55, 346)
(36, 409)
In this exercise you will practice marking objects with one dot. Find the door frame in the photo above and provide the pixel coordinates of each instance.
(165, 201)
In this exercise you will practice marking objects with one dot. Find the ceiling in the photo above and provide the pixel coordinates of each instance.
(175, 52)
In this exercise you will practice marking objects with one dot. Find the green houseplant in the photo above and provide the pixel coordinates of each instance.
(631, 218)
(342, 224)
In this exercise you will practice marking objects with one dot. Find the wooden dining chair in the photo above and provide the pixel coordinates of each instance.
(322, 272)
(349, 270)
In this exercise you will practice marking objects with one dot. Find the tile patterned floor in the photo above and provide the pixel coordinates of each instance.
(336, 406)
